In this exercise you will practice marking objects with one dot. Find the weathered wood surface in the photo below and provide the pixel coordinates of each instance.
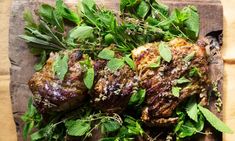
(211, 18)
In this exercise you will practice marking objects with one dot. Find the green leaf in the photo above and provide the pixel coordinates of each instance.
(182, 80)
(194, 72)
(66, 13)
(157, 64)
(89, 77)
(115, 64)
(80, 33)
(78, 127)
(137, 98)
(130, 62)
(176, 91)
(60, 66)
(214, 121)
(192, 23)
(109, 38)
(106, 54)
(110, 125)
(165, 52)
(142, 9)
(45, 12)
(90, 4)
(191, 109)
(28, 18)
(27, 129)
(189, 57)
(42, 62)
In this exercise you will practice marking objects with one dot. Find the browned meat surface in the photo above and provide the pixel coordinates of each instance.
(113, 89)
(51, 93)
(158, 82)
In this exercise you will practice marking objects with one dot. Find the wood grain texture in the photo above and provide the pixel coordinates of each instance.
(22, 61)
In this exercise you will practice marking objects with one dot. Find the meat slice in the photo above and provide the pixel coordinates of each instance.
(158, 82)
(52, 94)
(113, 90)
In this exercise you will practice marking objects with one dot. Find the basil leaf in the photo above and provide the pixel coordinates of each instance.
(66, 13)
(77, 128)
(191, 109)
(45, 12)
(157, 64)
(192, 22)
(182, 80)
(189, 57)
(137, 98)
(214, 121)
(142, 9)
(106, 54)
(110, 126)
(80, 33)
(130, 62)
(165, 52)
(115, 64)
(60, 66)
(176, 91)
(89, 78)
(42, 62)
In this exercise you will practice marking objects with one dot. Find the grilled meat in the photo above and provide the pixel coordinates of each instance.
(51, 93)
(113, 90)
(158, 82)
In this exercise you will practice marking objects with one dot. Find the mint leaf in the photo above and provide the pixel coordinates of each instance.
(130, 62)
(214, 121)
(142, 9)
(78, 127)
(115, 64)
(157, 64)
(176, 91)
(89, 78)
(110, 125)
(182, 80)
(191, 109)
(60, 66)
(165, 52)
(189, 57)
(137, 98)
(106, 54)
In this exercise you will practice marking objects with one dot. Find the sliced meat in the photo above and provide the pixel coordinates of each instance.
(158, 82)
(52, 94)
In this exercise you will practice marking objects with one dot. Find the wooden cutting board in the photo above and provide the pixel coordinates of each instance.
(22, 61)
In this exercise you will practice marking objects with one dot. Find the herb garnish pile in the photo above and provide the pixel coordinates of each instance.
(92, 29)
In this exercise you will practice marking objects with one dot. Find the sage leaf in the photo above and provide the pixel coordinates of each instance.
(60, 66)
(192, 110)
(115, 64)
(165, 52)
(89, 77)
(189, 57)
(176, 91)
(182, 80)
(106, 54)
(142, 9)
(137, 98)
(214, 121)
(78, 127)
